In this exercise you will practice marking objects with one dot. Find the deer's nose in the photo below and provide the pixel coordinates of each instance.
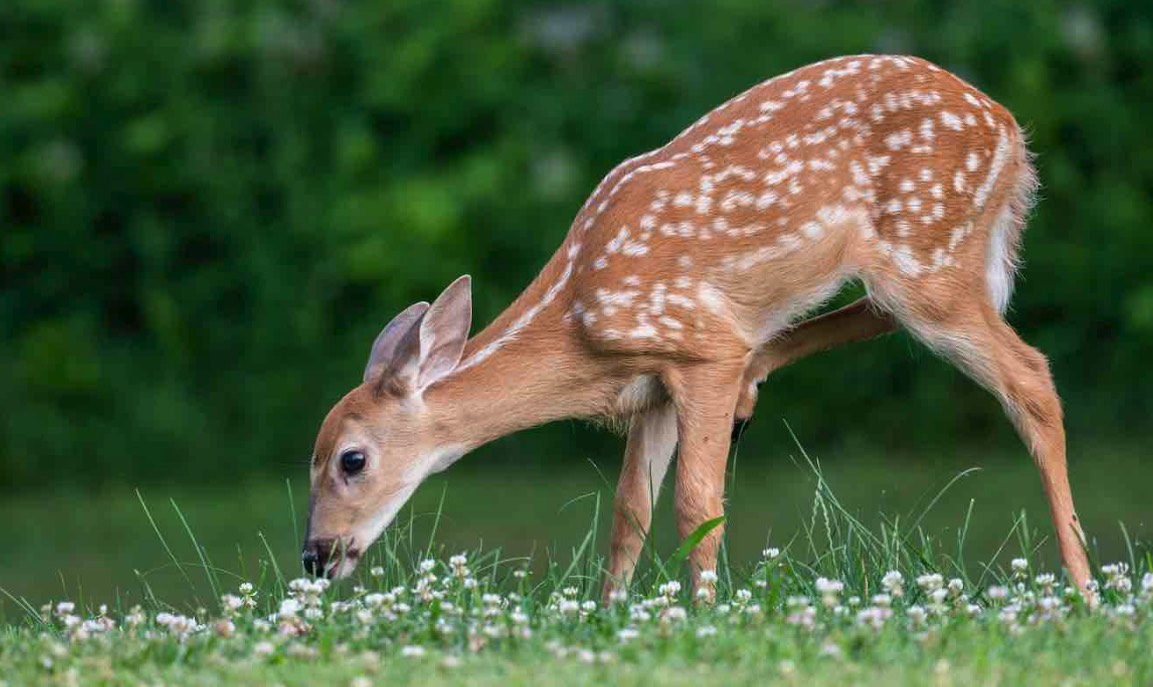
(316, 555)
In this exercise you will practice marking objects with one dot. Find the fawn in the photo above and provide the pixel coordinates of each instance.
(676, 290)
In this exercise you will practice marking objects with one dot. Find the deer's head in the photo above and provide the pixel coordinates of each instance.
(380, 441)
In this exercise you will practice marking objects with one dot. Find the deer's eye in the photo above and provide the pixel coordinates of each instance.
(352, 461)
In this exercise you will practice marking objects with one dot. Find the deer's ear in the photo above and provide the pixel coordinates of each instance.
(387, 344)
(444, 332)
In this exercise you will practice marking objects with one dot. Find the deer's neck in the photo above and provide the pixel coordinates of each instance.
(528, 381)
(527, 368)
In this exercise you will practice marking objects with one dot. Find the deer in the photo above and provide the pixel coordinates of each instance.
(685, 280)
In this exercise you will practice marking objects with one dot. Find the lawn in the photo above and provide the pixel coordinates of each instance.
(929, 575)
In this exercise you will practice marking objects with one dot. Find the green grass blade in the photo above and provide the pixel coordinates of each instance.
(167, 548)
(213, 583)
(681, 554)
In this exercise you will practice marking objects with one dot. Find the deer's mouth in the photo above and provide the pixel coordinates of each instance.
(331, 558)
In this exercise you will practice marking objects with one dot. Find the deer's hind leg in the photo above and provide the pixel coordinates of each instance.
(858, 321)
(648, 451)
(980, 343)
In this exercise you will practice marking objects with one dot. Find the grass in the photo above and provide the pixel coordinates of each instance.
(822, 608)
(96, 546)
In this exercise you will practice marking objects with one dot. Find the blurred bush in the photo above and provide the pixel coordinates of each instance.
(210, 207)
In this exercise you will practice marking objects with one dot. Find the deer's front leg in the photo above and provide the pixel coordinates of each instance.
(705, 396)
(648, 451)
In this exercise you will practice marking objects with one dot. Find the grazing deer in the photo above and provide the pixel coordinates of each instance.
(676, 291)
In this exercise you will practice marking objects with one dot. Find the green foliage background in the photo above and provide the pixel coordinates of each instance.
(209, 208)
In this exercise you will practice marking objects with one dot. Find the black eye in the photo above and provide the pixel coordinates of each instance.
(352, 461)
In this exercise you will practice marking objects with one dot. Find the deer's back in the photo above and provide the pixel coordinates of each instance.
(764, 206)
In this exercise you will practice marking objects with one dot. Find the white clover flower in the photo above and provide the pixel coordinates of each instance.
(831, 650)
(827, 586)
(520, 574)
(65, 607)
(1020, 566)
(1147, 583)
(917, 614)
(375, 600)
(376, 571)
(706, 631)
(299, 584)
(1121, 584)
(771, 553)
(176, 624)
(674, 613)
(459, 560)
(246, 589)
(288, 609)
(224, 629)
(893, 582)
(956, 586)
(518, 617)
(231, 603)
(753, 609)
(704, 594)
(708, 576)
(973, 610)
(930, 582)
(412, 651)
(469, 583)
(618, 596)
(313, 613)
(803, 616)
(427, 565)
(830, 591)
(743, 595)
(670, 588)
(628, 634)
(873, 617)
(997, 593)
(264, 648)
(569, 606)
(882, 600)
(1117, 577)
(589, 606)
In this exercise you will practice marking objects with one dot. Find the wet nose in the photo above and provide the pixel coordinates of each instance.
(315, 556)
